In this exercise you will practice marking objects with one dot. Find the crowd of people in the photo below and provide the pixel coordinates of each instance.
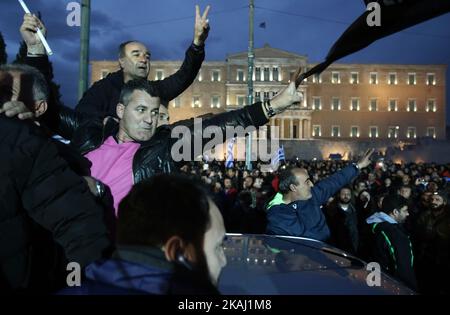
(248, 202)
(112, 203)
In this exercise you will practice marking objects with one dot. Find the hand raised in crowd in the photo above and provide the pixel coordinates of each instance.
(365, 160)
(286, 98)
(201, 27)
(16, 108)
(28, 30)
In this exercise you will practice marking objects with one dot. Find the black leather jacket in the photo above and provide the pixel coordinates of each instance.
(154, 156)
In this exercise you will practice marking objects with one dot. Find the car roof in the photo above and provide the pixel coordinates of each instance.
(268, 264)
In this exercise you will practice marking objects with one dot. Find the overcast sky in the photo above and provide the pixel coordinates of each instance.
(306, 27)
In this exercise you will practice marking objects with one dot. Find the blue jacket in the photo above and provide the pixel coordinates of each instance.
(304, 217)
(140, 270)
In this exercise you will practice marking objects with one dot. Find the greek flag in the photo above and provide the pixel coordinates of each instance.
(277, 157)
(230, 157)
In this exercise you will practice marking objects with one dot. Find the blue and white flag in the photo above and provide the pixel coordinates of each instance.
(277, 157)
(230, 156)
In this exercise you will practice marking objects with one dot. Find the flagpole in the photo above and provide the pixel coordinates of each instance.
(84, 47)
(251, 57)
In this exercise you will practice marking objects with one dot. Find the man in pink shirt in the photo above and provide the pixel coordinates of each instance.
(112, 161)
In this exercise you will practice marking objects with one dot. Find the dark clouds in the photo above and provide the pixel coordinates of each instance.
(306, 27)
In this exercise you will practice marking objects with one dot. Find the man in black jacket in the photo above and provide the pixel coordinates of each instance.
(102, 97)
(391, 244)
(39, 195)
(156, 149)
(343, 222)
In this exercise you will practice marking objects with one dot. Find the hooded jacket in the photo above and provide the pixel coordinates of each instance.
(392, 248)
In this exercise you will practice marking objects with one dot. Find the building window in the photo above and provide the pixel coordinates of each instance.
(335, 77)
(411, 79)
(317, 78)
(257, 74)
(215, 101)
(317, 132)
(196, 101)
(240, 75)
(317, 104)
(266, 74)
(257, 97)
(411, 133)
(393, 131)
(412, 106)
(431, 79)
(393, 105)
(275, 74)
(335, 131)
(176, 102)
(373, 78)
(294, 132)
(373, 106)
(266, 96)
(431, 105)
(274, 93)
(354, 78)
(392, 78)
(354, 104)
(199, 76)
(335, 104)
(159, 75)
(104, 73)
(431, 132)
(354, 131)
(215, 75)
(240, 100)
(373, 132)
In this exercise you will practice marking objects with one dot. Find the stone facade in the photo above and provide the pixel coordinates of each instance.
(361, 102)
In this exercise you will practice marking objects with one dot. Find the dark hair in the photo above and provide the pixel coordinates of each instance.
(39, 84)
(286, 178)
(123, 45)
(161, 207)
(393, 202)
(137, 84)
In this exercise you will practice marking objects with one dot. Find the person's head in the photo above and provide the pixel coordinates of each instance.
(25, 84)
(405, 191)
(432, 187)
(134, 60)
(396, 207)
(248, 182)
(164, 117)
(345, 195)
(296, 183)
(138, 111)
(227, 183)
(231, 172)
(371, 177)
(188, 227)
(425, 198)
(359, 186)
(406, 179)
(387, 182)
(438, 201)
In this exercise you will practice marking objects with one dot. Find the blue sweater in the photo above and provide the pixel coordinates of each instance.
(305, 217)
